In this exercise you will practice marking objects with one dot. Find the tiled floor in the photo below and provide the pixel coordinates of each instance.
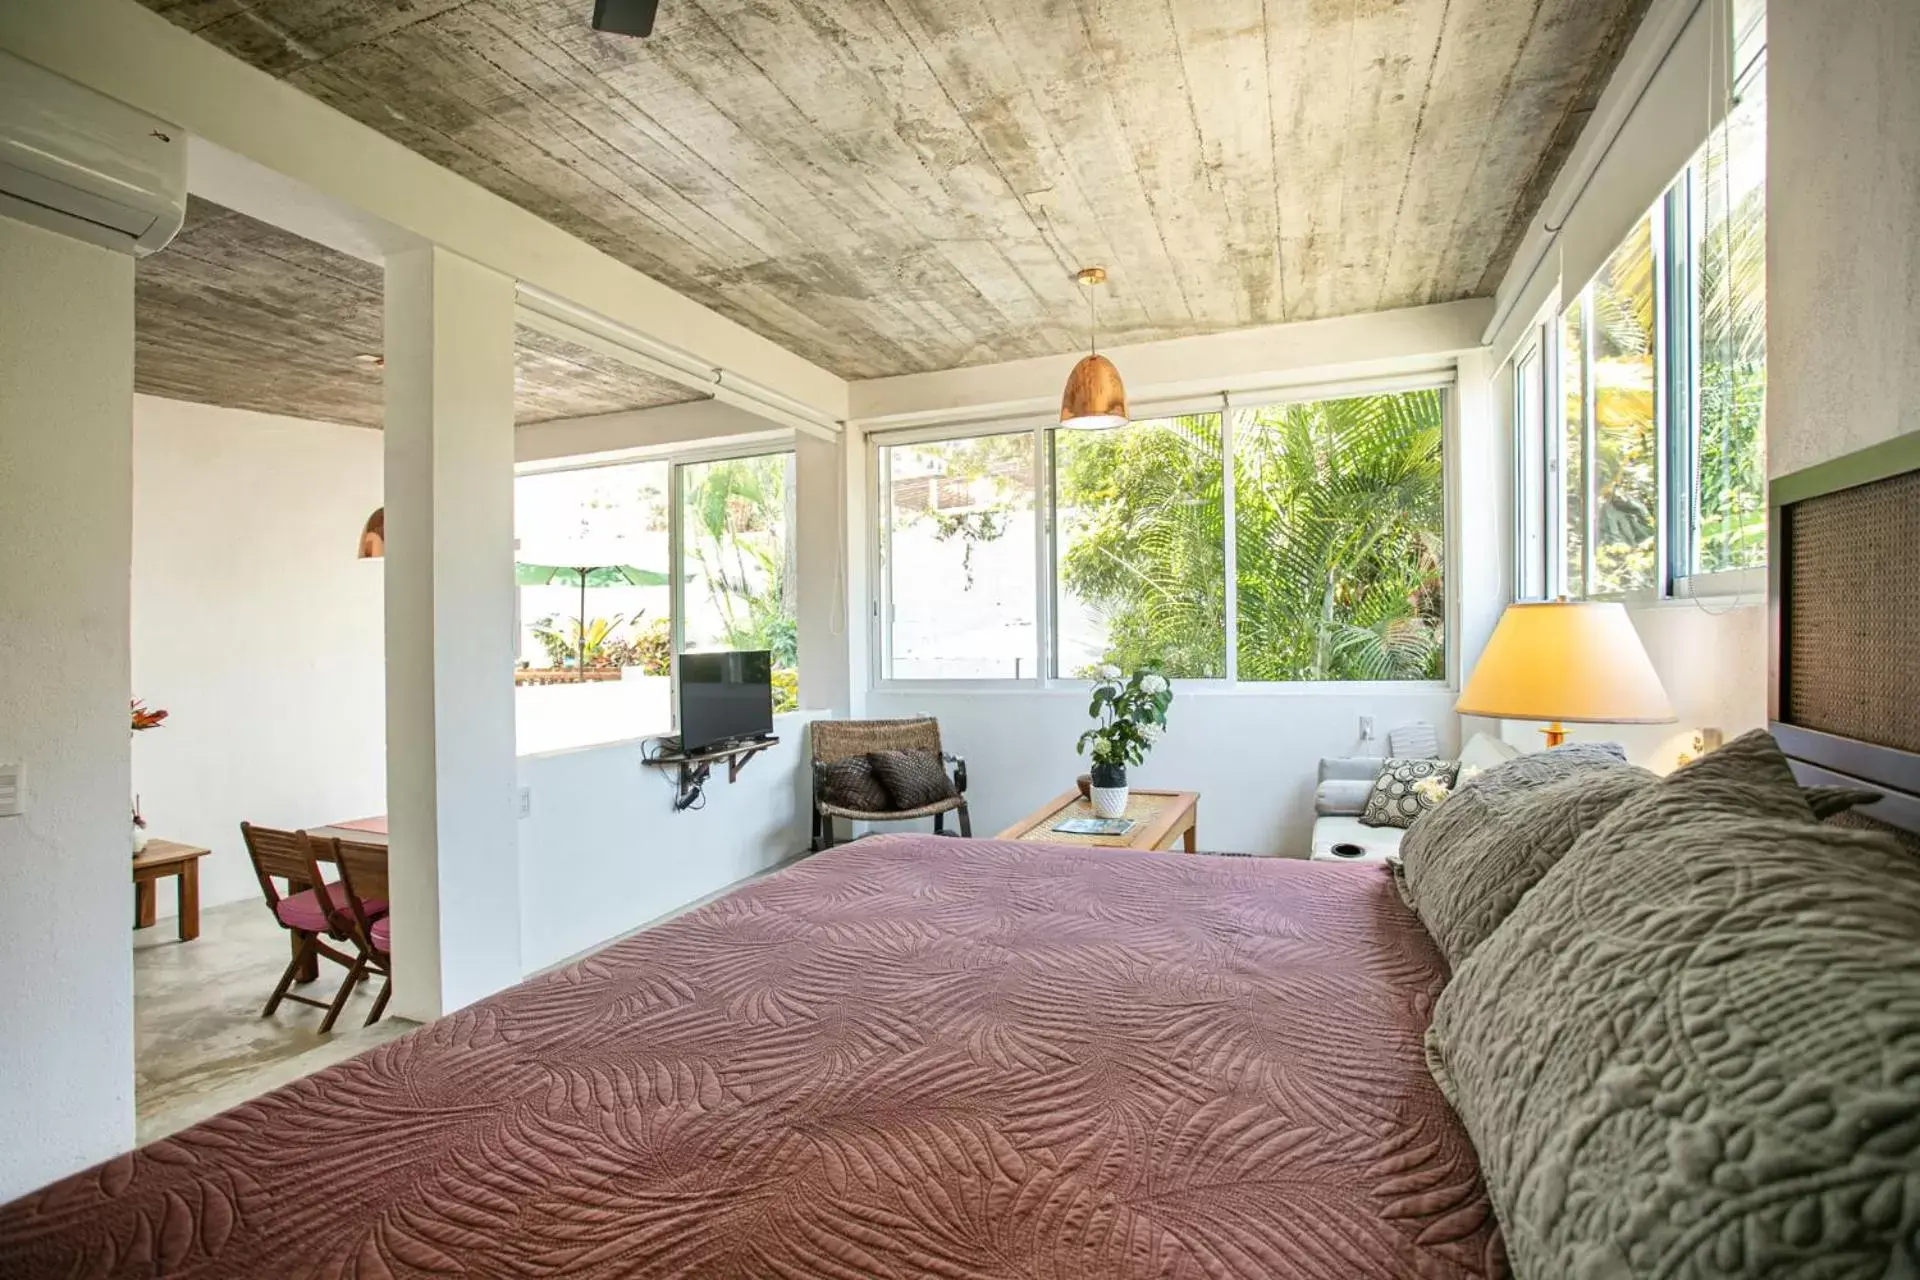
(200, 1044)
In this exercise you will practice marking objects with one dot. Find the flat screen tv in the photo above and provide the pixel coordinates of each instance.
(724, 697)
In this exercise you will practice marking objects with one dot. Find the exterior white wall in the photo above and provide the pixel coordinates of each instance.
(256, 627)
(602, 851)
(1252, 756)
(66, 1010)
(1843, 231)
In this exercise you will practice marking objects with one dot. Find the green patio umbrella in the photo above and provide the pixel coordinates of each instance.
(584, 576)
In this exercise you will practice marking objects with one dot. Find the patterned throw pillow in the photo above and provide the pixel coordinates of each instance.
(1395, 801)
(1691, 1048)
(913, 778)
(851, 784)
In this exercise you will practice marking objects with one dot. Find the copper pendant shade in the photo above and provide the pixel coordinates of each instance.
(1095, 398)
(373, 538)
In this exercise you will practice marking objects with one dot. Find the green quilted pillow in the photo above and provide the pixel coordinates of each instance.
(1693, 1049)
(1468, 862)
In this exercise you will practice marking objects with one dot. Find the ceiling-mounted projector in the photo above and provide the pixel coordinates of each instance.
(625, 17)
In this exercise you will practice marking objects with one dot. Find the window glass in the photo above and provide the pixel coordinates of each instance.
(1339, 542)
(1730, 266)
(1532, 475)
(959, 558)
(1626, 446)
(737, 563)
(1140, 538)
(1573, 451)
(591, 564)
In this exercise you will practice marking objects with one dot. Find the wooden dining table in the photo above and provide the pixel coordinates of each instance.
(358, 830)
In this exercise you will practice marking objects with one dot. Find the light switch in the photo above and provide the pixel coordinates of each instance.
(526, 802)
(12, 790)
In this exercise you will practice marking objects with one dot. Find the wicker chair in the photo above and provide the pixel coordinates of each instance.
(841, 739)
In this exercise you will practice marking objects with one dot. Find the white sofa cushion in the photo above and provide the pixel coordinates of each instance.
(1332, 829)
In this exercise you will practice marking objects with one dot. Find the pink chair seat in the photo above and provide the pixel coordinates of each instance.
(381, 931)
(302, 910)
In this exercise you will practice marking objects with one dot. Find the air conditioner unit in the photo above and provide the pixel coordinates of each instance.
(80, 163)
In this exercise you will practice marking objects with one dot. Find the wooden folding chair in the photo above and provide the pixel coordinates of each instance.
(307, 910)
(363, 875)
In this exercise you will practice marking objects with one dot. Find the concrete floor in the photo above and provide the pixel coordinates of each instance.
(200, 1044)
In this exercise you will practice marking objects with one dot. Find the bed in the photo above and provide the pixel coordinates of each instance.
(907, 1056)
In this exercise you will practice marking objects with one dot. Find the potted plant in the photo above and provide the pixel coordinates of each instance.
(1130, 714)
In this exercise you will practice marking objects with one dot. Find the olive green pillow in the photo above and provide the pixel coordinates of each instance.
(1694, 1048)
(1466, 864)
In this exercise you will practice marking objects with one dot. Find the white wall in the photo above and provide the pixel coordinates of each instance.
(1252, 756)
(66, 1008)
(602, 851)
(1711, 658)
(256, 627)
(1843, 233)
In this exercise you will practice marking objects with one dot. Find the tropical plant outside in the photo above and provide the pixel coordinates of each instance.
(735, 527)
(1730, 507)
(1339, 541)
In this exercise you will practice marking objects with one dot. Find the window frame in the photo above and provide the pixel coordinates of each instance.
(1677, 404)
(675, 457)
(1040, 425)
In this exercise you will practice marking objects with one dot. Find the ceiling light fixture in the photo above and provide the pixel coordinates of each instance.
(373, 538)
(1095, 398)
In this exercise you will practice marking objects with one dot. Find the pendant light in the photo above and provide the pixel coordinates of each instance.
(373, 538)
(1095, 398)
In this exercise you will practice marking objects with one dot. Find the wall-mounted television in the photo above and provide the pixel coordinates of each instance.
(725, 698)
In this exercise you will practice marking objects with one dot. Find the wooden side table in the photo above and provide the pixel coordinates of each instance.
(162, 858)
(1159, 819)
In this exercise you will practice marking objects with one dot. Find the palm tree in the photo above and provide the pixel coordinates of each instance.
(1338, 548)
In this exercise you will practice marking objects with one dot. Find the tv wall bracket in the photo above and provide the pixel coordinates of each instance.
(696, 769)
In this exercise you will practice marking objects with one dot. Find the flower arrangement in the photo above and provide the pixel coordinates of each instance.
(1130, 714)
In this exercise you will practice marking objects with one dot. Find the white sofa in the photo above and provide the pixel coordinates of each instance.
(1341, 797)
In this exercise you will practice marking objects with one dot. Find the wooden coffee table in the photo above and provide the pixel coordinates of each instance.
(160, 859)
(1160, 818)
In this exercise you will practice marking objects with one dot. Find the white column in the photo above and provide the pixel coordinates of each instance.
(66, 518)
(825, 669)
(449, 608)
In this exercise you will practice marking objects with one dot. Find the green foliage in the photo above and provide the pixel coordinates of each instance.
(736, 532)
(653, 647)
(1144, 529)
(603, 648)
(1339, 551)
(972, 528)
(1129, 713)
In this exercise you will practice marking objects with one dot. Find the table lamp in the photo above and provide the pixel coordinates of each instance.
(1562, 660)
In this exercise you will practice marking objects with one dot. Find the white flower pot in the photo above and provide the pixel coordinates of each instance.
(1109, 802)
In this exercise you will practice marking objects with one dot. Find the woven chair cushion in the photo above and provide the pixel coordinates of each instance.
(851, 784)
(912, 778)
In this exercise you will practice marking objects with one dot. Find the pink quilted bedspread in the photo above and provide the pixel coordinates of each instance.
(908, 1057)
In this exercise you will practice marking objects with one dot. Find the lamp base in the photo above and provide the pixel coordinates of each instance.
(1555, 733)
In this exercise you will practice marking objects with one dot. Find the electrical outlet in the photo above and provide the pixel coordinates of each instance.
(13, 795)
(526, 802)
(1366, 728)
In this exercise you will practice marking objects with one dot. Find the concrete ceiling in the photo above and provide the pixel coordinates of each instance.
(895, 186)
(239, 313)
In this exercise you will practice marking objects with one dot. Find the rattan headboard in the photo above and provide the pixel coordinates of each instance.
(1844, 697)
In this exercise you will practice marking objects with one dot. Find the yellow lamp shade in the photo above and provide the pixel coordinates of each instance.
(1566, 660)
